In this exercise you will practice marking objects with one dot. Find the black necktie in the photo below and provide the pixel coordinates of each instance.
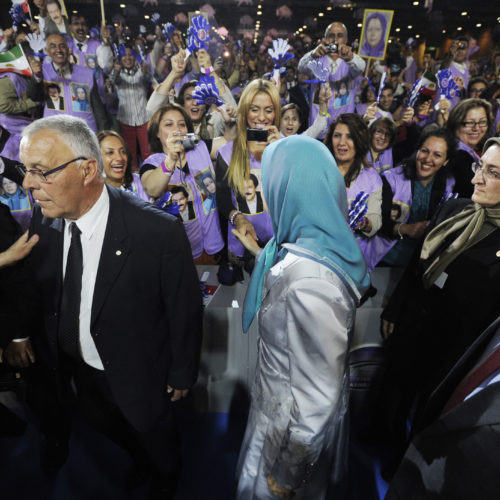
(80, 45)
(69, 314)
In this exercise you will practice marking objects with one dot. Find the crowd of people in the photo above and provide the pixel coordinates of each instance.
(338, 165)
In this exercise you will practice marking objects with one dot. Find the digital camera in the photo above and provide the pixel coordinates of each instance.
(332, 48)
(189, 141)
(257, 134)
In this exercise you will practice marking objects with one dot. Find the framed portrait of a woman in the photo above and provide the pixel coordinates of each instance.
(375, 33)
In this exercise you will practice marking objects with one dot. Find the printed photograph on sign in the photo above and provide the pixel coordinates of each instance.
(341, 95)
(253, 202)
(91, 62)
(80, 97)
(375, 33)
(184, 199)
(13, 195)
(54, 96)
(205, 182)
(57, 17)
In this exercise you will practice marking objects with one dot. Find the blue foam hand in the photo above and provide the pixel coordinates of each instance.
(155, 17)
(200, 28)
(206, 92)
(447, 84)
(193, 44)
(37, 42)
(18, 15)
(358, 209)
(168, 30)
(166, 204)
(318, 70)
(279, 53)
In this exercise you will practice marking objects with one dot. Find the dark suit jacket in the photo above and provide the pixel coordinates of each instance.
(455, 456)
(16, 291)
(146, 309)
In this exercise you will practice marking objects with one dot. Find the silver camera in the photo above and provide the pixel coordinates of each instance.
(332, 48)
(189, 141)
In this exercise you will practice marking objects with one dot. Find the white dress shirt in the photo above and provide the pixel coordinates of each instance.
(92, 226)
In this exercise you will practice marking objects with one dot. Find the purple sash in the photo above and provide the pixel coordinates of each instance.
(15, 124)
(378, 246)
(202, 224)
(137, 189)
(261, 220)
(383, 162)
(81, 78)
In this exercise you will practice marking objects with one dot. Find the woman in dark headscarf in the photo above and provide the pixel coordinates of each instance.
(305, 288)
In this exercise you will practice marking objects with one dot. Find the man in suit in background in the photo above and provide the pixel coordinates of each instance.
(120, 302)
(456, 451)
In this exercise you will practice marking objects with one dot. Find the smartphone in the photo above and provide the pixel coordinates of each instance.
(257, 134)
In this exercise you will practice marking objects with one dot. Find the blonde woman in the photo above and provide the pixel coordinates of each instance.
(259, 108)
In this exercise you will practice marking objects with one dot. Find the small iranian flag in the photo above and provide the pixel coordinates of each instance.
(14, 61)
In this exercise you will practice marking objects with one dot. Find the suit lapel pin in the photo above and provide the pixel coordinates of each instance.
(118, 252)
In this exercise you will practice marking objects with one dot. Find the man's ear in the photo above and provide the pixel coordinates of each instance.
(90, 170)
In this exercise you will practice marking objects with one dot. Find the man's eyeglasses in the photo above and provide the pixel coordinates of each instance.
(42, 176)
(488, 172)
(470, 124)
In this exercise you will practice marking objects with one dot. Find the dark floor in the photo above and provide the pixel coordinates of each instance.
(96, 468)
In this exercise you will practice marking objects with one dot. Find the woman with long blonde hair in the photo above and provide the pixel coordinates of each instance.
(259, 108)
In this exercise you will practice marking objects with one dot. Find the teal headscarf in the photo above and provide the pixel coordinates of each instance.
(306, 197)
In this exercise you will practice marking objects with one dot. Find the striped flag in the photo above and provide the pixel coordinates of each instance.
(14, 61)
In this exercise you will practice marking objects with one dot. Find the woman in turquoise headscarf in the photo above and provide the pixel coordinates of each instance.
(305, 287)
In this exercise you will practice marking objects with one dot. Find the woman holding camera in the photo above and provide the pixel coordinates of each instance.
(259, 108)
(176, 173)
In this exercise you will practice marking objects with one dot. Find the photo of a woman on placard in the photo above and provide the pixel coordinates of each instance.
(374, 36)
(81, 102)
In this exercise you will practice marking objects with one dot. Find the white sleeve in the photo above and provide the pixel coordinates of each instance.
(356, 66)
(317, 128)
(155, 102)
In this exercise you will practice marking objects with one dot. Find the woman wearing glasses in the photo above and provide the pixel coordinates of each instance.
(447, 298)
(411, 193)
(382, 137)
(470, 121)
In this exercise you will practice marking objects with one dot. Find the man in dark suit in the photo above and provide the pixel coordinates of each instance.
(456, 451)
(120, 300)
